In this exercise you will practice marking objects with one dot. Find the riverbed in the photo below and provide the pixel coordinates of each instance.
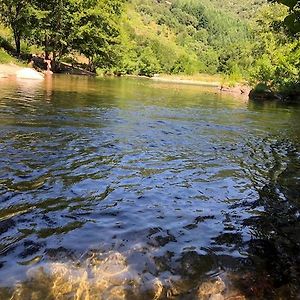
(119, 188)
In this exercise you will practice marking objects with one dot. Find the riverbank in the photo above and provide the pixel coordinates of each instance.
(199, 79)
(14, 71)
(9, 70)
(214, 81)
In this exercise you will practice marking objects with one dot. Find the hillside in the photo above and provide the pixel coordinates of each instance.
(187, 36)
(178, 36)
(245, 9)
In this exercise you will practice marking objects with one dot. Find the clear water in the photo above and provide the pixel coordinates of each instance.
(175, 184)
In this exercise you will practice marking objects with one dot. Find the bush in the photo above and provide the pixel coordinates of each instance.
(148, 64)
(280, 69)
(186, 64)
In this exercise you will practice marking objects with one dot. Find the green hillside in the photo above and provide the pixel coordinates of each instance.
(245, 9)
(187, 36)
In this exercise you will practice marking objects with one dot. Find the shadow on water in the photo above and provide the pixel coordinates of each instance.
(270, 267)
(274, 248)
(125, 189)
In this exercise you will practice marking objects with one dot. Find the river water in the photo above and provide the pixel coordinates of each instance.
(131, 189)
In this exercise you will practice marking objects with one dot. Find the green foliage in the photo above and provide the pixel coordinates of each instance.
(53, 24)
(279, 69)
(62, 26)
(89, 27)
(17, 15)
(148, 64)
(97, 30)
(5, 57)
(186, 36)
(145, 37)
(277, 54)
(6, 45)
(292, 20)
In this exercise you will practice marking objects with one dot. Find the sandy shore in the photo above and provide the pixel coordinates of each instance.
(12, 71)
(239, 89)
(187, 81)
(9, 70)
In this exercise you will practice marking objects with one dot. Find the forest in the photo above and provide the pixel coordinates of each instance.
(252, 40)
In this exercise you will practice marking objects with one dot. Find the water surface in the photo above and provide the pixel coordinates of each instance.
(175, 184)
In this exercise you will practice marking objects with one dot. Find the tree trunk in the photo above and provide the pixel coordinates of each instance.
(46, 47)
(54, 67)
(17, 38)
(92, 67)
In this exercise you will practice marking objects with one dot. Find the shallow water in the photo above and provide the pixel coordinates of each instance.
(177, 184)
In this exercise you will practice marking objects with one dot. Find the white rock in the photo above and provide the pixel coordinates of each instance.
(28, 73)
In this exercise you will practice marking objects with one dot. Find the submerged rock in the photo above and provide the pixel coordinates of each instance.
(211, 290)
(98, 279)
(216, 297)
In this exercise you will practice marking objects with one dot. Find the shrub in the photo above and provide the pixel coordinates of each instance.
(148, 64)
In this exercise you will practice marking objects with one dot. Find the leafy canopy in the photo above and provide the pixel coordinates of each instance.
(90, 27)
(292, 20)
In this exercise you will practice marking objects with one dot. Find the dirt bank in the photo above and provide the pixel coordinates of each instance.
(9, 70)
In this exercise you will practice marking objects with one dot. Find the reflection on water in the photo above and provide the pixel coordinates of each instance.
(128, 189)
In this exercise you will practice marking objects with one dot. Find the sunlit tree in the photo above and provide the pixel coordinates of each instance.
(16, 14)
(292, 21)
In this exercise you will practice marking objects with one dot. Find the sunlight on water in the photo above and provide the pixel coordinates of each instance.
(108, 276)
(98, 279)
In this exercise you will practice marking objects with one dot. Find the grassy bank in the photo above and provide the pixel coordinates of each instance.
(5, 58)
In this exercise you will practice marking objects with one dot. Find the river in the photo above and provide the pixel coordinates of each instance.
(131, 189)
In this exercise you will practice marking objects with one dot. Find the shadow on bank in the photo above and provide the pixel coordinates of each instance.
(61, 67)
(262, 92)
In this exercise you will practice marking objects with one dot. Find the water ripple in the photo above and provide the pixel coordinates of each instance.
(179, 184)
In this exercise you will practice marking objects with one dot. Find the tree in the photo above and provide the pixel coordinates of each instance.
(97, 30)
(17, 15)
(277, 63)
(90, 27)
(292, 21)
(53, 26)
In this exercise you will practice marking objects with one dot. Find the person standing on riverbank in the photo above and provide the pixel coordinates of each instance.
(48, 63)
